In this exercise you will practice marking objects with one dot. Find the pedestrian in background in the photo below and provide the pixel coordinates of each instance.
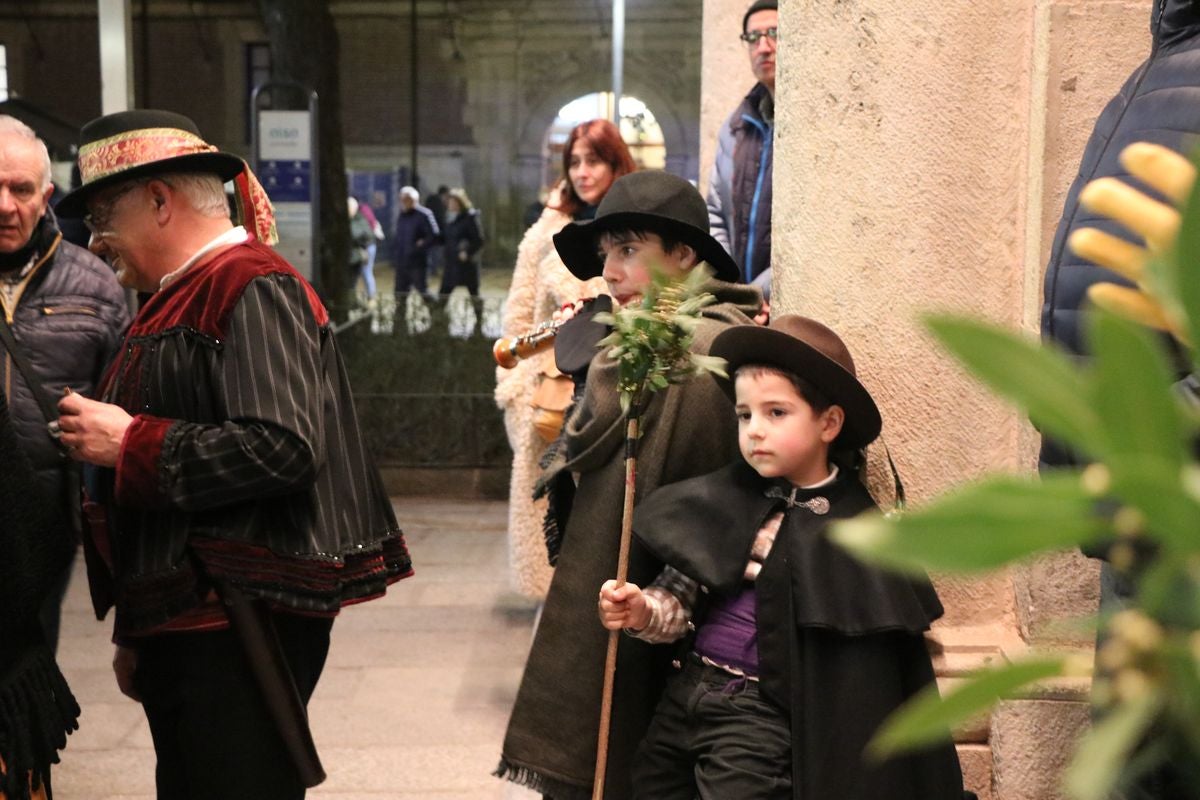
(413, 234)
(373, 247)
(436, 205)
(463, 238)
(362, 247)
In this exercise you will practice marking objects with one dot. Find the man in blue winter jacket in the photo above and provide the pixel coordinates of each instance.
(739, 187)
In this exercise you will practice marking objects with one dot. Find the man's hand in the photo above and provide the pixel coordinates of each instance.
(763, 317)
(624, 607)
(124, 666)
(91, 430)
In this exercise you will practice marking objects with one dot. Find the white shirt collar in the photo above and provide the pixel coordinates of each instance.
(833, 473)
(235, 235)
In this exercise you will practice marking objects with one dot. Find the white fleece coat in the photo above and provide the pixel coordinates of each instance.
(541, 284)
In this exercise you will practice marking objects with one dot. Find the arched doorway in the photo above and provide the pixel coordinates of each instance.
(639, 129)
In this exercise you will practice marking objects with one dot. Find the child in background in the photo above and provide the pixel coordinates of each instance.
(800, 651)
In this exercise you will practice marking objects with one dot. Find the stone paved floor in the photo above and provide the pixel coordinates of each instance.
(414, 697)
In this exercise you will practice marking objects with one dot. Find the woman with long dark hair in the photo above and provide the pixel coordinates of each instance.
(593, 157)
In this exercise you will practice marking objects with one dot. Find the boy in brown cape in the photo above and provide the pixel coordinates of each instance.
(648, 221)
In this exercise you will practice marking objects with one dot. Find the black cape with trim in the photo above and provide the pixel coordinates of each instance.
(840, 643)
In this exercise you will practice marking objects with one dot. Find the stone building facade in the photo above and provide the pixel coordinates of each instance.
(491, 76)
(923, 153)
(924, 150)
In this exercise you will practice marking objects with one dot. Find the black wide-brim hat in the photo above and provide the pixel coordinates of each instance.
(132, 144)
(653, 201)
(813, 352)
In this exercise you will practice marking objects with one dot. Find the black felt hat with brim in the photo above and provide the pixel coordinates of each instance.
(132, 144)
(813, 352)
(650, 201)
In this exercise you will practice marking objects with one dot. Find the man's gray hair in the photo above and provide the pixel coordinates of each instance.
(410, 191)
(204, 191)
(11, 126)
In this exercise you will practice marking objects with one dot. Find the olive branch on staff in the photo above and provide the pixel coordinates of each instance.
(651, 344)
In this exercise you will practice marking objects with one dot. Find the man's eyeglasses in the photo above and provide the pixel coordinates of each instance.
(99, 220)
(751, 37)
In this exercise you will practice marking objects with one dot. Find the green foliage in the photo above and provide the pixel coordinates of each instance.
(928, 718)
(980, 527)
(651, 342)
(1096, 768)
(1140, 496)
(1180, 286)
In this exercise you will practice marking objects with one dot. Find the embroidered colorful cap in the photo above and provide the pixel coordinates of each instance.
(131, 144)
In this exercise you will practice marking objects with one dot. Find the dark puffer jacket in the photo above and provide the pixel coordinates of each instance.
(1160, 102)
(37, 710)
(415, 232)
(69, 320)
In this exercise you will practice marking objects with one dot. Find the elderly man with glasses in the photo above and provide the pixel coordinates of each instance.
(240, 509)
(63, 318)
(739, 187)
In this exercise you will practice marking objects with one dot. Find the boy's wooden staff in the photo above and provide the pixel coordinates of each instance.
(651, 344)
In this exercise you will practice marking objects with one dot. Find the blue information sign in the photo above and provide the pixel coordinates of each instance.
(287, 181)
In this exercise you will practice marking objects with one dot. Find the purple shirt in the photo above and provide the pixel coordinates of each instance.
(729, 635)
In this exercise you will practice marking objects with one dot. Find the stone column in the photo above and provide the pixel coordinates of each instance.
(725, 75)
(923, 150)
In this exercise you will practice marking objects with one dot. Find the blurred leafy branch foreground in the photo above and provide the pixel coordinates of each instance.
(1138, 500)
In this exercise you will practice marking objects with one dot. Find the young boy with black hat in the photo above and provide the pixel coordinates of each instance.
(648, 222)
(800, 651)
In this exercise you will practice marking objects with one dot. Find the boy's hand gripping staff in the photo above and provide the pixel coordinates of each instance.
(1155, 222)
(651, 344)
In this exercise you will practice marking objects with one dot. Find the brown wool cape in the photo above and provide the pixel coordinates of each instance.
(688, 430)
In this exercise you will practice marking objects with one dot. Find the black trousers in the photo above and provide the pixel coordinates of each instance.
(460, 273)
(715, 737)
(411, 276)
(213, 736)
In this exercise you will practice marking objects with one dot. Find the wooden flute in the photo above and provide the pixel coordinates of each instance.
(508, 352)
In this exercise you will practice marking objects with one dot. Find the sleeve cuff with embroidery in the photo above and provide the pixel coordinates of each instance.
(139, 484)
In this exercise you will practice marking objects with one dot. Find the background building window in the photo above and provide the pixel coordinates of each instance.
(3, 74)
(639, 129)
